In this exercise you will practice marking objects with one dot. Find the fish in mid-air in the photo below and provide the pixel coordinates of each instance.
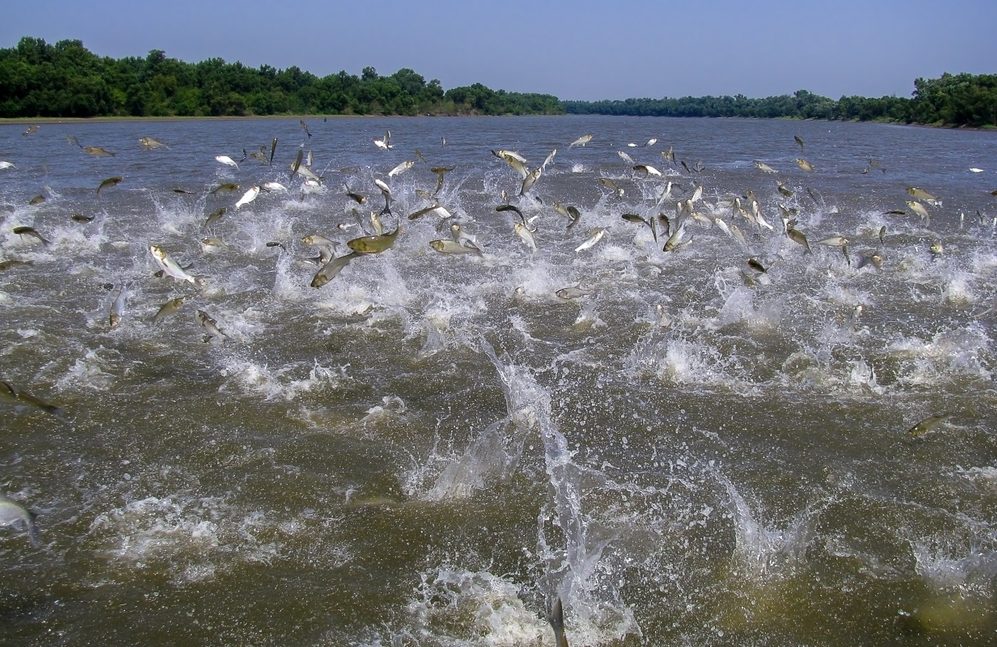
(445, 246)
(24, 230)
(227, 161)
(401, 168)
(374, 244)
(169, 308)
(111, 181)
(332, 269)
(248, 196)
(581, 141)
(595, 236)
(169, 266)
(210, 325)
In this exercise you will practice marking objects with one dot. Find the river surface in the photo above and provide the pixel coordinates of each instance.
(431, 448)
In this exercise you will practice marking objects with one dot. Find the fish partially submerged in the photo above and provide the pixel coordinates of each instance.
(356, 197)
(805, 165)
(14, 515)
(926, 425)
(148, 143)
(756, 265)
(118, 307)
(13, 262)
(385, 142)
(556, 619)
(573, 292)
(97, 151)
(8, 391)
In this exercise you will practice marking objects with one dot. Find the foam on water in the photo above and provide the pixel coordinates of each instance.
(458, 607)
(573, 571)
(288, 382)
(192, 538)
(965, 353)
(971, 567)
(615, 404)
(91, 371)
(763, 552)
(987, 476)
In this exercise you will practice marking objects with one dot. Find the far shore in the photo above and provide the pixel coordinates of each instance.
(104, 120)
(121, 119)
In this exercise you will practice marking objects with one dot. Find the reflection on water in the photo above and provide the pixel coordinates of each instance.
(431, 448)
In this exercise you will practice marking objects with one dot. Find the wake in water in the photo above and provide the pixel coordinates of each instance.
(568, 560)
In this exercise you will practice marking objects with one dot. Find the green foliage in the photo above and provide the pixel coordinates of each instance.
(66, 80)
(963, 99)
(952, 100)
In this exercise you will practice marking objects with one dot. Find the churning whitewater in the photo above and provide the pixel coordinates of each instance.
(498, 381)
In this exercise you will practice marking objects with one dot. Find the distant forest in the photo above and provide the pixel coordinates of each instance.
(67, 80)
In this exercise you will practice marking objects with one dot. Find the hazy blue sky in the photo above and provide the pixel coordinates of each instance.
(574, 50)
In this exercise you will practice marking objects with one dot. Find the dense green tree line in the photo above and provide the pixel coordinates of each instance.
(67, 80)
(952, 100)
